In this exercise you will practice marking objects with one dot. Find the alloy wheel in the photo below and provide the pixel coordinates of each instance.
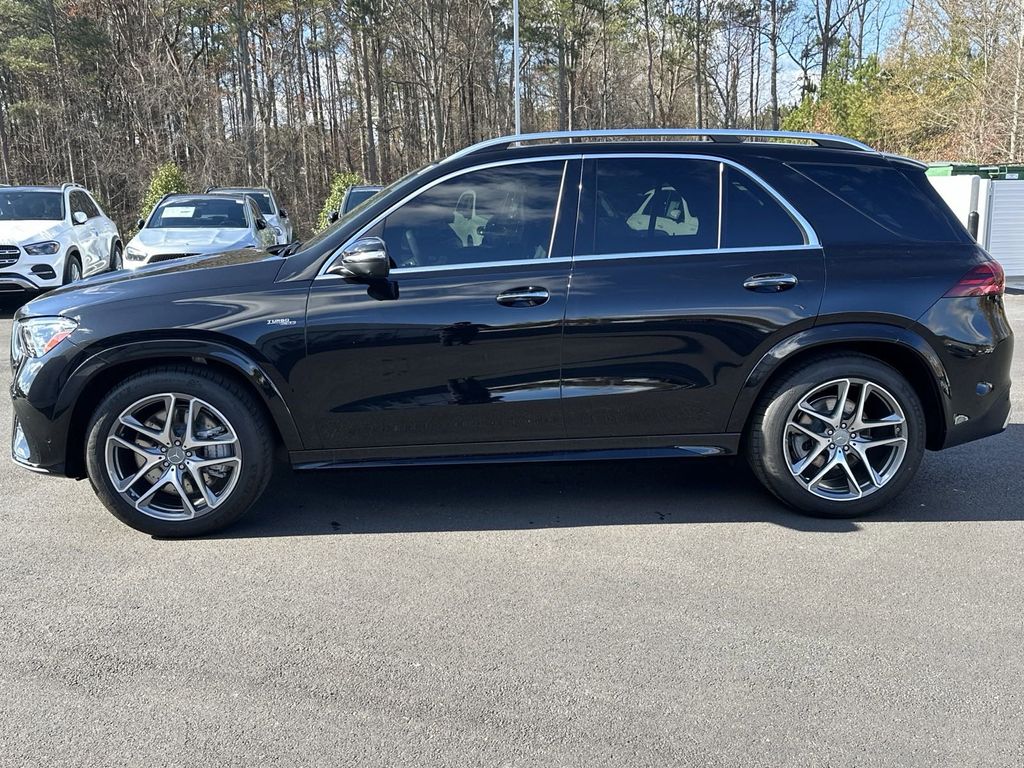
(173, 456)
(845, 439)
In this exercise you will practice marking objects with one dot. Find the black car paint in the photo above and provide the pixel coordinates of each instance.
(656, 354)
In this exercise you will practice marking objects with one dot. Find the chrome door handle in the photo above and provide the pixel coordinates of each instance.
(523, 297)
(772, 282)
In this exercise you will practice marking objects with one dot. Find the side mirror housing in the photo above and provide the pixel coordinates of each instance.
(282, 213)
(261, 224)
(140, 223)
(332, 217)
(366, 259)
(79, 217)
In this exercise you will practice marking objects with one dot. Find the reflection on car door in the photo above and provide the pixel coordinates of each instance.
(87, 235)
(660, 329)
(463, 343)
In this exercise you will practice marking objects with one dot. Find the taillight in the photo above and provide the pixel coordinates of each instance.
(984, 280)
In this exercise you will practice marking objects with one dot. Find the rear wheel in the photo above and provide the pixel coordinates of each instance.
(117, 258)
(839, 437)
(178, 451)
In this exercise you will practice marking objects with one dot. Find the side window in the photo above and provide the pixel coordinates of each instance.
(655, 204)
(503, 213)
(76, 203)
(91, 209)
(752, 217)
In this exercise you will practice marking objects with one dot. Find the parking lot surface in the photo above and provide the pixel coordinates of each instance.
(634, 613)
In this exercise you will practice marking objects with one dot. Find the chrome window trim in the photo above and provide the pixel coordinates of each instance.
(811, 240)
(565, 159)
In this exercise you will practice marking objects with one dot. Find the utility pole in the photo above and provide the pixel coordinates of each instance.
(515, 61)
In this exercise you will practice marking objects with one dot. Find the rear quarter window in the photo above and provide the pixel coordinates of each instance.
(886, 196)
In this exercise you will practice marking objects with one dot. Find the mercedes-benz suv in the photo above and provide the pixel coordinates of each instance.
(797, 298)
(52, 236)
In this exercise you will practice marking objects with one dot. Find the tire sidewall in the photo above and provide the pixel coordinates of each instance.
(71, 260)
(256, 450)
(774, 469)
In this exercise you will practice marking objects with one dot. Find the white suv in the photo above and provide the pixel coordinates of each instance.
(51, 236)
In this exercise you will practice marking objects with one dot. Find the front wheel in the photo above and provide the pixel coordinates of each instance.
(178, 451)
(839, 437)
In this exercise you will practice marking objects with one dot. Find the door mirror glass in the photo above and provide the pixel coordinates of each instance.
(366, 259)
(261, 224)
(140, 223)
(79, 217)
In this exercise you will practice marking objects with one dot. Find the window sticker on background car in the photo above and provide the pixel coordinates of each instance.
(179, 212)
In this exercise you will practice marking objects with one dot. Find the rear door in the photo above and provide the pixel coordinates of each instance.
(687, 269)
(87, 235)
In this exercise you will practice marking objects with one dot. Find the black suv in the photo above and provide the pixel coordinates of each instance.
(798, 297)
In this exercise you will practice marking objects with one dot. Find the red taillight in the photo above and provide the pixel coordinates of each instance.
(984, 280)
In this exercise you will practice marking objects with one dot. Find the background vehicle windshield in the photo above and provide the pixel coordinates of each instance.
(262, 199)
(31, 206)
(222, 214)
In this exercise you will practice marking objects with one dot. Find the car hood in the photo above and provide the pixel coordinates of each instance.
(29, 231)
(199, 237)
(207, 274)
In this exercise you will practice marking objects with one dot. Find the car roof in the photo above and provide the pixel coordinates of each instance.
(198, 196)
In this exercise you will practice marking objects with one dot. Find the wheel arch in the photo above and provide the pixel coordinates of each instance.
(900, 348)
(100, 373)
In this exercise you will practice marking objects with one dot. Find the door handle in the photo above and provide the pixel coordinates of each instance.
(523, 297)
(771, 282)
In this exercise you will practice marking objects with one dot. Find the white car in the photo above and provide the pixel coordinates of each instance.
(276, 216)
(51, 236)
(183, 225)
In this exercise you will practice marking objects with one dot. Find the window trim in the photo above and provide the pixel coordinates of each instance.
(811, 240)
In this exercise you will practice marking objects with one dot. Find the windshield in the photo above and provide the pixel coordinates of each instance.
(262, 198)
(31, 205)
(228, 213)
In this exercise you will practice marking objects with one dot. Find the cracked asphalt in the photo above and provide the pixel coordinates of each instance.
(643, 613)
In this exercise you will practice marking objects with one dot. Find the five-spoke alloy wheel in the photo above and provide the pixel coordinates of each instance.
(179, 451)
(839, 437)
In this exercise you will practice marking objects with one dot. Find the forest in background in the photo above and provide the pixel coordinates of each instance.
(289, 93)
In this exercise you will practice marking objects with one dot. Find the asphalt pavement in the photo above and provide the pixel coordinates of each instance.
(642, 613)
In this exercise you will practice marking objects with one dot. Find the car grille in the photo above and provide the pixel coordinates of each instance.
(9, 254)
(169, 256)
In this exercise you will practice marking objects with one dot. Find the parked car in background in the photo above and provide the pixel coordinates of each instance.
(355, 196)
(52, 236)
(276, 216)
(182, 225)
(567, 327)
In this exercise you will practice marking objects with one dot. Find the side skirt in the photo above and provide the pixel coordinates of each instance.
(661, 446)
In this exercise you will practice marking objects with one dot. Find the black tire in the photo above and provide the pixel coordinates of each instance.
(71, 263)
(246, 417)
(116, 258)
(765, 439)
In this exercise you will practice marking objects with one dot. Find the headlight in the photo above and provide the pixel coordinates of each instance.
(48, 248)
(36, 336)
(134, 254)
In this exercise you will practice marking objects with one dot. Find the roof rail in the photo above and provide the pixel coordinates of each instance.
(719, 135)
(71, 185)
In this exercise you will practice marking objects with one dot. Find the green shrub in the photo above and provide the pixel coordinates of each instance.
(340, 184)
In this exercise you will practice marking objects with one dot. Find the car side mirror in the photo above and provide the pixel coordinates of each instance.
(332, 217)
(366, 259)
(261, 224)
(282, 213)
(140, 223)
(79, 217)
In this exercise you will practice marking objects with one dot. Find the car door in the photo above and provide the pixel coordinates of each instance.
(663, 323)
(106, 229)
(86, 234)
(263, 233)
(462, 343)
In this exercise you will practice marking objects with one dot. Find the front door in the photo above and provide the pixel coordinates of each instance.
(687, 271)
(462, 344)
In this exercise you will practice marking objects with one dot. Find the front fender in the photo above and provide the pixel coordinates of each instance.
(836, 335)
(200, 351)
